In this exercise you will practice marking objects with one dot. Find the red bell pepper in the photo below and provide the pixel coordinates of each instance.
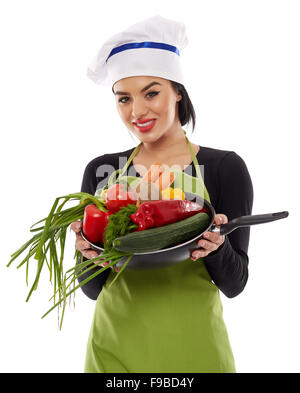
(119, 195)
(157, 213)
(94, 223)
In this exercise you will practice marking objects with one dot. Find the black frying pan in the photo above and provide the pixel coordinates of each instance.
(180, 252)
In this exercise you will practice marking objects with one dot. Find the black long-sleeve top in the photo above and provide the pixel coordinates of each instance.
(229, 185)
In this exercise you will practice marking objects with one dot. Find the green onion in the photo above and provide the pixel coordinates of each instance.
(46, 247)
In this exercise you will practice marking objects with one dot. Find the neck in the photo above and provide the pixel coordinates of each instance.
(172, 143)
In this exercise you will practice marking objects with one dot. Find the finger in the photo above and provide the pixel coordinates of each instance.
(214, 237)
(89, 254)
(104, 264)
(220, 219)
(76, 226)
(81, 244)
(207, 245)
(199, 254)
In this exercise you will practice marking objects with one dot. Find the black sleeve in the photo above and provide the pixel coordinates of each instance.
(228, 266)
(94, 286)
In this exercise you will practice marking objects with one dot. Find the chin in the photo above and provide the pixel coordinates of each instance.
(148, 137)
(145, 135)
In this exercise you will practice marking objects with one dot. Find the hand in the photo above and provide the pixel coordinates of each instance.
(212, 241)
(83, 246)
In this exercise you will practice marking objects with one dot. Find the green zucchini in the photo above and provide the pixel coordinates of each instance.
(160, 237)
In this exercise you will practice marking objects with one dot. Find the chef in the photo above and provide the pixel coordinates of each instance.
(164, 319)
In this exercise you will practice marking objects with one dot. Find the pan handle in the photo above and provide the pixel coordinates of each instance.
(245, 221)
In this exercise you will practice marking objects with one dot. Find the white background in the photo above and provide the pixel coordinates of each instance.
(242, 70)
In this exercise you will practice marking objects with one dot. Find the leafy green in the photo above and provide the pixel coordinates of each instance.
(119, 225)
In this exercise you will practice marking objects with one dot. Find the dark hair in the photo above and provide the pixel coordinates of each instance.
(186, 110)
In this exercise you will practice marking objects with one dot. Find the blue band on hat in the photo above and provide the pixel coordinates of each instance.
(137, 45)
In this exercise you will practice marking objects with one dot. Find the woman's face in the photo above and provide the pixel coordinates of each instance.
(141, 98)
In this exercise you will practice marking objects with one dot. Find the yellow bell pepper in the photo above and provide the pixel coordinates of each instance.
(172, 193)
(167, 193)
(178, 194)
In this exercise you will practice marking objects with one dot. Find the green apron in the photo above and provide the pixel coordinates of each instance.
(161, 320)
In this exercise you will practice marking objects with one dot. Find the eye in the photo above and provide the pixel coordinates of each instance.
(154, 93)
(122, 98)
(150, 94)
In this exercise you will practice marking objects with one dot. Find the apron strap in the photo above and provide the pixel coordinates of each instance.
(194, 158)
(111, 178)
(196, 165)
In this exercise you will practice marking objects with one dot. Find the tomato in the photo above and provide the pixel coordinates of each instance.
(117, 196)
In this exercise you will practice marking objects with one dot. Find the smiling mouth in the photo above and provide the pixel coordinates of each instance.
(148, 123)
(143, 127)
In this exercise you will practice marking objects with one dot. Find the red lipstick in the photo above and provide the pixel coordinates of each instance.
(144, 128)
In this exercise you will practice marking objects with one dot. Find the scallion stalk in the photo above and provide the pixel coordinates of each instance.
(47, 245)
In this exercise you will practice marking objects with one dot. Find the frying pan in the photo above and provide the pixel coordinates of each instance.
(180, 252)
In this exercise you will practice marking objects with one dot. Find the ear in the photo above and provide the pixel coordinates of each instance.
(179, 97)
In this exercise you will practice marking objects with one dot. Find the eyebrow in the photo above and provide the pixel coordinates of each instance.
(143, 89)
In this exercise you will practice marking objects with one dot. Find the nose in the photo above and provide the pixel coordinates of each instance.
(139, 109)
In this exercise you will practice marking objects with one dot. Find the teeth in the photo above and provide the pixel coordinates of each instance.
(145, 124)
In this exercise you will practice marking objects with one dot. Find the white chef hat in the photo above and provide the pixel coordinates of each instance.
(151, 47)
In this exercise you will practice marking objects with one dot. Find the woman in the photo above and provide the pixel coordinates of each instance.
(167, 319)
